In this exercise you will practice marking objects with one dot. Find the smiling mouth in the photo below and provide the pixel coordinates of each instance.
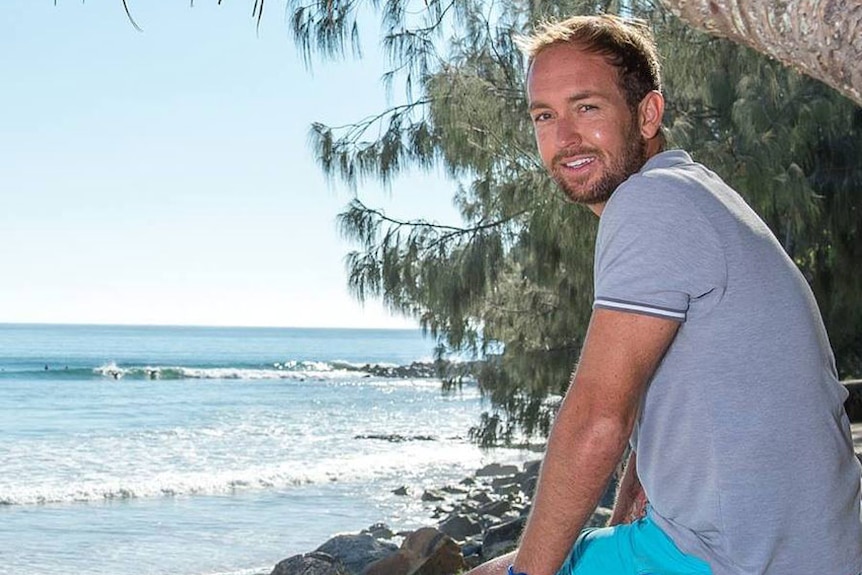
(579, 163)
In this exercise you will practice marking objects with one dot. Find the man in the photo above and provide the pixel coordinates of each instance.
(705, 351)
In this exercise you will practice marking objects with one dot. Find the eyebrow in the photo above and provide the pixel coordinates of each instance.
(577, 97)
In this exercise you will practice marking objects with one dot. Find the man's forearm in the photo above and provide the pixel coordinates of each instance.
(591, 431)
(577, 466)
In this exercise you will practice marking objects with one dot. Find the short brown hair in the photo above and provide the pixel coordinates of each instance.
(627, 44)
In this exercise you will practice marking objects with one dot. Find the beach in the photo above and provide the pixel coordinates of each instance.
(213, 451)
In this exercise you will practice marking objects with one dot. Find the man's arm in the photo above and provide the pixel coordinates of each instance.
(630, 504)
(591, 430)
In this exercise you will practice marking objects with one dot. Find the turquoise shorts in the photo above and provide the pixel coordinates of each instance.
(638, 548)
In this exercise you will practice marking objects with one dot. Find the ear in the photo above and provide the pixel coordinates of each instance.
(650, 114)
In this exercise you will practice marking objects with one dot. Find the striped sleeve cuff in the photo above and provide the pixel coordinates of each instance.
(633, 307)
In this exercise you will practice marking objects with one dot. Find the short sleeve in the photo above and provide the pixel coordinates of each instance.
(656, 252)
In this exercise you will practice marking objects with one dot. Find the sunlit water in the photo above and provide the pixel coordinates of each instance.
(191, 451)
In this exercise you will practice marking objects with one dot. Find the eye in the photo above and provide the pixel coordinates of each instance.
(541, 117)
(587, 108)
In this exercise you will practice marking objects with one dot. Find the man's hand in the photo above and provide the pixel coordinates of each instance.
(631, 501)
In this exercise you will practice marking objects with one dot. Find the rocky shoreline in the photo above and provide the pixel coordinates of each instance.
(476, 520)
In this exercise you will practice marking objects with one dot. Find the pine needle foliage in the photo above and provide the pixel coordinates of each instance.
(512, 284)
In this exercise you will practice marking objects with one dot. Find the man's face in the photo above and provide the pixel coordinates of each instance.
(588, 138)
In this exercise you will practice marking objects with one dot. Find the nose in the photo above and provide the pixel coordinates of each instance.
(568, 133)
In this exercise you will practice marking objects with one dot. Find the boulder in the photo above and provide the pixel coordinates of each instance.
(315, 563)
(356, 551)
(433, 495)
(379, 531)
(426, 551)
(502, 538)
(480, 497)
(496, 470)
(495, 508)
(459, 527)
(443, 554)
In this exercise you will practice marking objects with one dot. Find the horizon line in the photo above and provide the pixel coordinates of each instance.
(4, 323)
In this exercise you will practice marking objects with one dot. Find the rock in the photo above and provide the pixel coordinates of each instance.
(379, 531)
(480, 497)
(315, 563)
(356, 551)
(459, 527)
(455, 490)
(502, 538)
(414, 370)
(509, 490)
(495, 508)
(395, 437)
(433, 495)
(400, 491)
(496, 470)
(444, 555)
(528, 478)
(426, 551)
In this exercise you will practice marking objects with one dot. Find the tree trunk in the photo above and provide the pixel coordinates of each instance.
(821, 38)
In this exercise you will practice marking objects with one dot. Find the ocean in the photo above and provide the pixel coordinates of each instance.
(200, 451)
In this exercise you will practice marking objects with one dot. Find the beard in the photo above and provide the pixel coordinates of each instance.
(618, 170)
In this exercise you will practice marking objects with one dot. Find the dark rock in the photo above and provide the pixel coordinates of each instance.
(395, 437)
(315, 563)
(433, 495)
(502, 538)
(528, 478)
(426, 551)
(416, 369)
(495, 508)
(459, 527)
(502, 481)
(400, 491)
(471, 548)
(444, 555)
(509, 490)
(496, 470)
(379, 531)
(357, 551)
(480, 497)
(455, 490)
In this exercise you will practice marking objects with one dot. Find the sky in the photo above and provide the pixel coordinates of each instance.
(165, 177)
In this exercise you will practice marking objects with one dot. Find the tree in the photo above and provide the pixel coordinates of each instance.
(821, 38)
(518, 273)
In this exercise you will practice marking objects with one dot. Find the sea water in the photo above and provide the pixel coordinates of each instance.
(194, 451)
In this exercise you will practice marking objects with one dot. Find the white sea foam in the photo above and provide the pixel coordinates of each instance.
(290, 370)
(369, 463)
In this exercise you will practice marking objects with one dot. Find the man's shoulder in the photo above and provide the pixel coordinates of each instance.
(670, 183)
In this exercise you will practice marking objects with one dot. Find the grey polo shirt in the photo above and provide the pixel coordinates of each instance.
(744, 449)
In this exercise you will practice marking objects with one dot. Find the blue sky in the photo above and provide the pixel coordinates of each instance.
(165, 177)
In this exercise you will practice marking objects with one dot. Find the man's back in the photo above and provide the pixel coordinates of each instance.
(743, 446)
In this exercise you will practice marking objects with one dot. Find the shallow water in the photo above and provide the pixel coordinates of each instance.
(192, 451)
